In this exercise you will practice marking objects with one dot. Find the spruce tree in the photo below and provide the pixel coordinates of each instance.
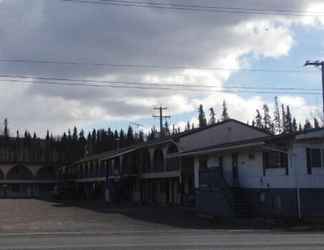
(276, 117)
(258, 120)
(267, 122)
(166, 129)
(225, 115)
(300, 128)
(6, 129)
(307, 124)
(289, 127)
(130, 136)
(283, 119)
(202, 117)
(187, 128)
(316, 123)
(212, 118)
(294, 125)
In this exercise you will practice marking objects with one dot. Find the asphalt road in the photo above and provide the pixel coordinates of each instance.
(173, 239)
(36, 224)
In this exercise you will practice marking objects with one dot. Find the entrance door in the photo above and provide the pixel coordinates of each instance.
(235, 169)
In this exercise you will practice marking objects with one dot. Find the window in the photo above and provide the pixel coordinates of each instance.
(262, 197)
(203, 163)
(315, 157)
(251, 155)
(274, 159)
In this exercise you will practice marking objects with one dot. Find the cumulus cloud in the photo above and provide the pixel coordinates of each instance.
(65, 31)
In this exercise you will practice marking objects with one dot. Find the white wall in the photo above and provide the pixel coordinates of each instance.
(316, 179)
(251, 171)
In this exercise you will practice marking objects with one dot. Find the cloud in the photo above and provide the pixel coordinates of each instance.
(65, 31)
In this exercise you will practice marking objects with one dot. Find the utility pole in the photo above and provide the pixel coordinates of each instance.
(161, 117)
(321, 65)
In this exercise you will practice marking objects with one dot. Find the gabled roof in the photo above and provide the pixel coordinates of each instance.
(196, 130)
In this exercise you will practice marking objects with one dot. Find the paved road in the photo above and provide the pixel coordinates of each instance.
(174, 239)
(35, 224)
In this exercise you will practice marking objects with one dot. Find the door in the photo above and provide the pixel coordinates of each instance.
(235, 171)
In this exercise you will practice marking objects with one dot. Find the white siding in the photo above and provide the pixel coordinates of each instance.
(316, 179)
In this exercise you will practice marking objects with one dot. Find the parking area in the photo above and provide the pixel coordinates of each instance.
(31, 215)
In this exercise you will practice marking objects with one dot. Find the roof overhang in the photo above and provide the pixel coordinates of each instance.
(147, 145)
(217, 149)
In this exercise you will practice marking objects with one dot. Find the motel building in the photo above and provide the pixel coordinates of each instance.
(26, 171)
(225, 169)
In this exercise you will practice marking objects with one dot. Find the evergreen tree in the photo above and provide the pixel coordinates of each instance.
(316, 123)
(300, 128)
(6, 129)
(202, 117)
(130, 136)
(258, 120)
(47, 135)
(276, 117)
(187, 126)
(82, 144)
(294, 125)
(289, 127)
(212, 118)
(141, 137)
(307, 124)
(283, 119)
(174, 131)
(225, 115)
(75, 134)
(166, 129)
(122, 139)
(267, 123)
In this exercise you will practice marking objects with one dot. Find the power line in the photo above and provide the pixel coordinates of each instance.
(158, 3)
(157, 88)
(144, 66)
(150, 85)
(210, 9)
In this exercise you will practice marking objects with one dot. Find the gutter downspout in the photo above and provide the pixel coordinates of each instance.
(292, 159)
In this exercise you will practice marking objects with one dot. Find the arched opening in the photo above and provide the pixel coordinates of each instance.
(97, 170)
(158, 160)
(103, 168)
(46, 173)
(172, 163)
(92, 169)
(81, 173)
(116, 166)
(86, 171)
(129, 163)
(1, 175)
(146, 161)
(20, 172)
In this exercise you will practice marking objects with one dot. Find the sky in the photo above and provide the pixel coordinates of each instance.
(185, 47)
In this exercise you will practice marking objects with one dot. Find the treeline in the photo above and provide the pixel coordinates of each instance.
(281, 120)
(71, 145)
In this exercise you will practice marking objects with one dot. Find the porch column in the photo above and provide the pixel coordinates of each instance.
(196, 172)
